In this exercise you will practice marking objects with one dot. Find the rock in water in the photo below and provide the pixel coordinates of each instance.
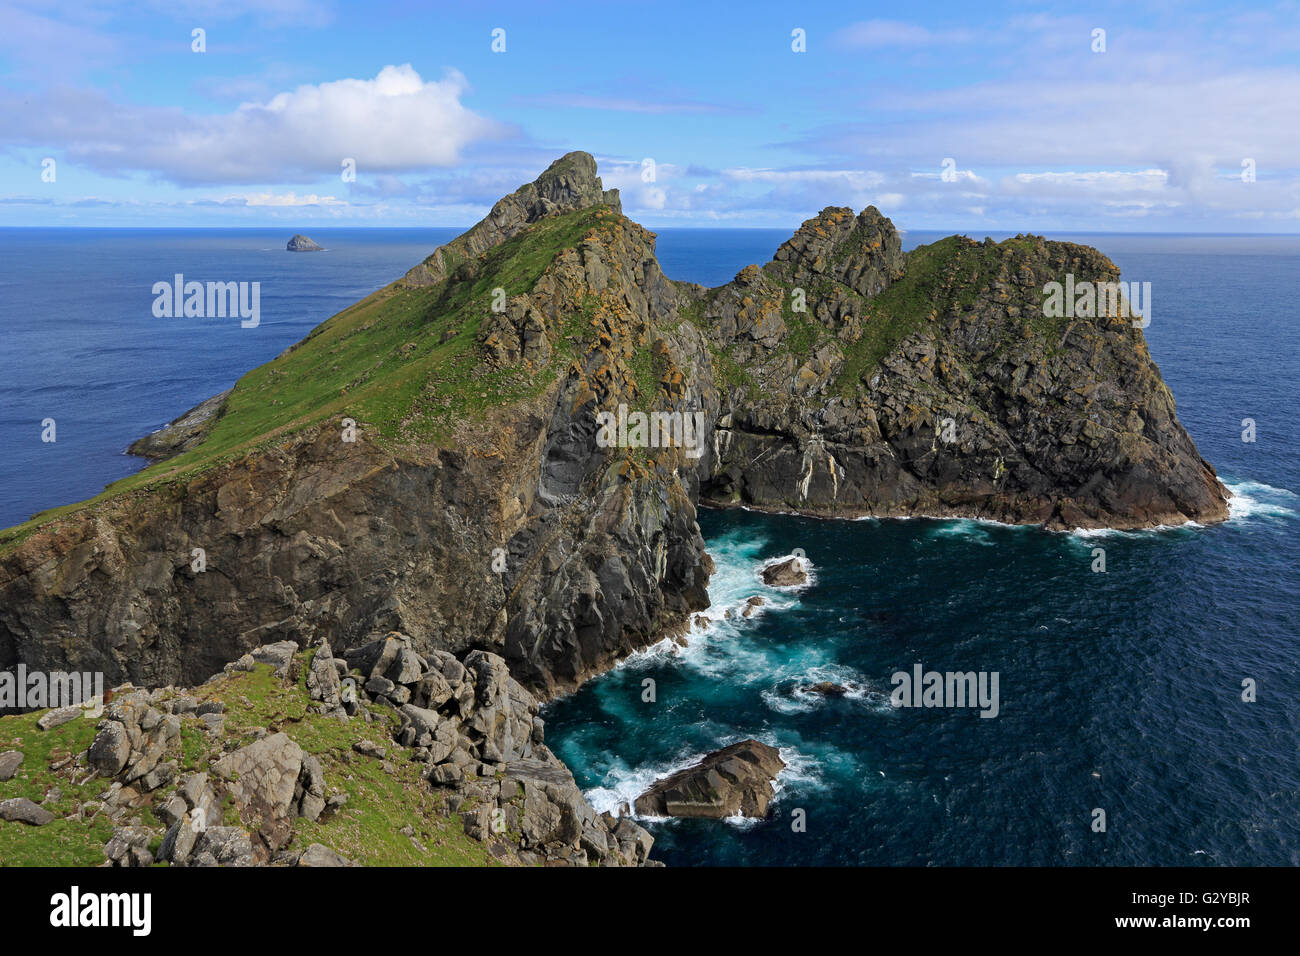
(789, 573)
(826, 689)
(301, 243)
(733, 780)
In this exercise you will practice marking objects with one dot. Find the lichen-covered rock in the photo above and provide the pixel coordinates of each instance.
(22, 810)
(10, 761)
(262, 778)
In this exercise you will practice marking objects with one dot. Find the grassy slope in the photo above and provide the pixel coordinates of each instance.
(365, 829)
(404, 363)
(950, 272)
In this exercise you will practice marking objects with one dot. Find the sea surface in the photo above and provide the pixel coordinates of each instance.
(1118, 692)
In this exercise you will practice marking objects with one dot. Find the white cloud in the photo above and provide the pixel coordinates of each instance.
(395, 122)
(855, 179)
(288, 199)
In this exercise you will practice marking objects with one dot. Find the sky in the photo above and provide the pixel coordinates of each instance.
(990, 116)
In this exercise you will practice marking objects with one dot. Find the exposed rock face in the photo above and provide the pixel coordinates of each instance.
(183, 433)
(825, 380)
(734, 780)
(933, 384)
(300, 243)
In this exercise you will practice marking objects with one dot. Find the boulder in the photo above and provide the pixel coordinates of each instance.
(789, 573)
(10, 761)
(263, 780)
(129, 846)
(323, 682)
(110, 749)
(736, 780)
(58, 717)
(319, 855)
(22, 810)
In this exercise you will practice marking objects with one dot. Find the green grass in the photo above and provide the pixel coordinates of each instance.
(62, 842)
(403, 363)
(943, 276)
(365, 829)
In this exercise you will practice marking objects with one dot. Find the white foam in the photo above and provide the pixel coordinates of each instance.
(1254, 499)
(623, 784)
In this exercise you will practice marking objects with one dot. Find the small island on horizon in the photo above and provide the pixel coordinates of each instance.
(301, 243)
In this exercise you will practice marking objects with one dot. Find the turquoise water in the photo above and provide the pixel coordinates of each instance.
(1118, 691)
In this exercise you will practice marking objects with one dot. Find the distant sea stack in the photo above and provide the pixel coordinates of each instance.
(431, 461)
(301, 243)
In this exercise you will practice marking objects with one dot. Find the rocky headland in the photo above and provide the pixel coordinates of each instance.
(431, 461)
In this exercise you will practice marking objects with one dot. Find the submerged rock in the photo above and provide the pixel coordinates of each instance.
(734, 780)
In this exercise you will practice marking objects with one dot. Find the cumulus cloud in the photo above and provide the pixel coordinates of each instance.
(395, 122)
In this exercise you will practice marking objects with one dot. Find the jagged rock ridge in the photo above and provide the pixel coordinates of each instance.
(470, 505)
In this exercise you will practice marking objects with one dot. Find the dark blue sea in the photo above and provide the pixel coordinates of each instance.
(1118, 691)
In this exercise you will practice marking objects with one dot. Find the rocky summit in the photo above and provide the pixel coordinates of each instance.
(502, 452)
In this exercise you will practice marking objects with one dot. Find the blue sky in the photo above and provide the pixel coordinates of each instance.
(975, 117)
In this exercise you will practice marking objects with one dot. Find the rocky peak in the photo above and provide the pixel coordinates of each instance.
(862, 252)
(571, 183)
(568, 184)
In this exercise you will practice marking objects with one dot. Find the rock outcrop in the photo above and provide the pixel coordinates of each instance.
(868, 382)
(183, 433)
(734, 781)
(568, 184)
(785, 573)
(461, 737)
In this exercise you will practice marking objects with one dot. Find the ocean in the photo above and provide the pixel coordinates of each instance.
(1119, 692)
